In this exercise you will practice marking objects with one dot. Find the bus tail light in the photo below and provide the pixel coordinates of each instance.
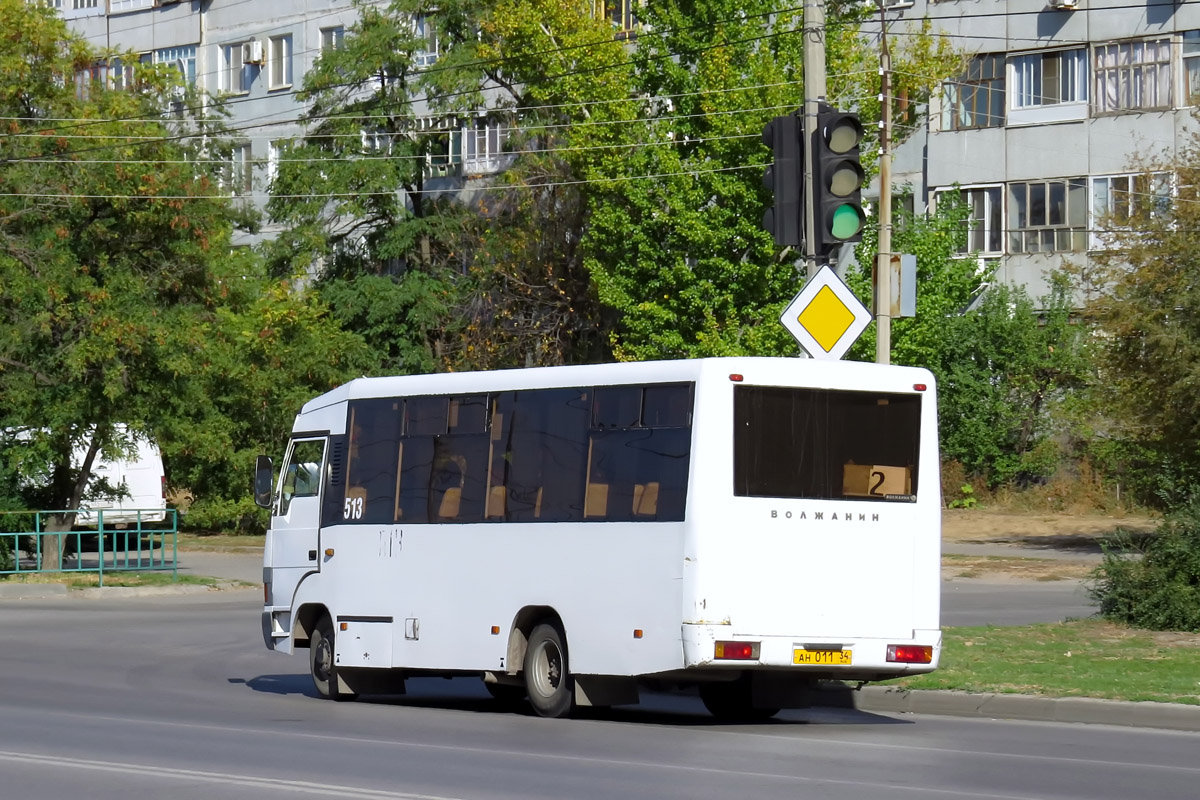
(737, 651)
(919, 387)
(909, 654)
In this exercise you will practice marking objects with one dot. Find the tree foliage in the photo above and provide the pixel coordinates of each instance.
(675, 245)
(103, 260)
(124, 309)
(1145, 304)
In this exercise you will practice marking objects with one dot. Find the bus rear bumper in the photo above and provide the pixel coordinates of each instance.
(845, 658)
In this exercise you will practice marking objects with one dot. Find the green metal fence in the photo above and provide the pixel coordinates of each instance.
(139, 542)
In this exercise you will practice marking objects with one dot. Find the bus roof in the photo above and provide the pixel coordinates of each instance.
(755, 370)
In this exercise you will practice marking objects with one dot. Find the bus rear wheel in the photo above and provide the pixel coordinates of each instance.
(547, 679)
(321, 661)
(732, 701)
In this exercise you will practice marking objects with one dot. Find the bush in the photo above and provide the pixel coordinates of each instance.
(239, 516)
(1154, 584)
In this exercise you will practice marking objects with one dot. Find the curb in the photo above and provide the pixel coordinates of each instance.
(32, 591)
(42, 591)
(1169, 716)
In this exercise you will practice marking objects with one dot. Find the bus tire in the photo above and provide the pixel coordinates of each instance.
(321, 662)
(547, 678)
(730, 701)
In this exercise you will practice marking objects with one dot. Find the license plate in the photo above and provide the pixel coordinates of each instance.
(835, 658)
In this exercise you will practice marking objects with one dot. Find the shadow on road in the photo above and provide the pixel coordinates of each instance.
(656, 708)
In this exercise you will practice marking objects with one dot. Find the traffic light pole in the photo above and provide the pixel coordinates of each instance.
(814, 93)
(883, 266)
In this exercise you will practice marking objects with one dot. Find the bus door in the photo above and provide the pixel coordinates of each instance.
(293, 546)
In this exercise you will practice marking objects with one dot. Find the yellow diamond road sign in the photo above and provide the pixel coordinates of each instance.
(826, 318)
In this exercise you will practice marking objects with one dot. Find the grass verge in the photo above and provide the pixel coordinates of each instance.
(1034, 569)
(86, 580)
(1077, 658)
(221, 542)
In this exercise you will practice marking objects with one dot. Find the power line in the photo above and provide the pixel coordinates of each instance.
(501, 60)
(448, 190)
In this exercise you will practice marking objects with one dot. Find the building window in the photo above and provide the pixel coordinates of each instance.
(182, 59)
(976, 100)
(483, 147)
(1118, 199)
(424, 29)
(274, 153)
(78, 8)
(332, 38)
(1191, 67)
(984, 223)
(1048, 216)
(1133, 75)
(281, 62)
(117, 6)
(233, 71)
(1044, 79)
(376, 141)
(621, 13)
(238, 175)
(121, 75)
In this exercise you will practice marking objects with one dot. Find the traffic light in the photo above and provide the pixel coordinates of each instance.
(785, 180)
(837, 178)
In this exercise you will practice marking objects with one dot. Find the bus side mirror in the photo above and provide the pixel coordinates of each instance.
(262, 481)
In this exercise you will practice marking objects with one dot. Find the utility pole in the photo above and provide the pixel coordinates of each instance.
(883, 265)
(814, 93)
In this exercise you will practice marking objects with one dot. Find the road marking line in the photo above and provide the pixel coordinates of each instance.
(147, 770)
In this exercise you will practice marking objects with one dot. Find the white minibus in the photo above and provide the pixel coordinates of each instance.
(742, 526)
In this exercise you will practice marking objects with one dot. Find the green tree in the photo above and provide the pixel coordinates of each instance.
(431, 273)
(1145, 304)
(124, 309)
(102, 260)
(1008, 370)
(675, 245)
(562, 81)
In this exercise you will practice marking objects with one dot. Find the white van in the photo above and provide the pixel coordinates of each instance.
(145, 484)
(140, 477)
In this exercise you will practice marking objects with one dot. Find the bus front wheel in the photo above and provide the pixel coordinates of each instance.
(547, 679)
(321, 661)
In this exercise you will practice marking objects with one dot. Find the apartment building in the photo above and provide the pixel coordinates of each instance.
(1043, 132)
(254, 55)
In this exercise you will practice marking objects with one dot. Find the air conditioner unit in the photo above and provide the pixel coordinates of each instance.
(1065, 5)
(252, 52)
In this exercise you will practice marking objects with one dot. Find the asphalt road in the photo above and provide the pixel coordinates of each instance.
(152, 697)
(964, 602)
(974, 602)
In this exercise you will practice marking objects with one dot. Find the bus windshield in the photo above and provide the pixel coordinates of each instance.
(825, 444)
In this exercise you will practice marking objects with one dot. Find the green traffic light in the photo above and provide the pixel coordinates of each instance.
(846, 221)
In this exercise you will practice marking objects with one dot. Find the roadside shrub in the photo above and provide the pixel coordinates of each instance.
(1154, 583)
(219, 515)
(6, 553)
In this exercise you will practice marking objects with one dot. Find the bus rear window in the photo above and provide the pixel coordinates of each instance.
(825, 444)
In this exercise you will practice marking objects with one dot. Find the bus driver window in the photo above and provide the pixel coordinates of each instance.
(302, 476)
